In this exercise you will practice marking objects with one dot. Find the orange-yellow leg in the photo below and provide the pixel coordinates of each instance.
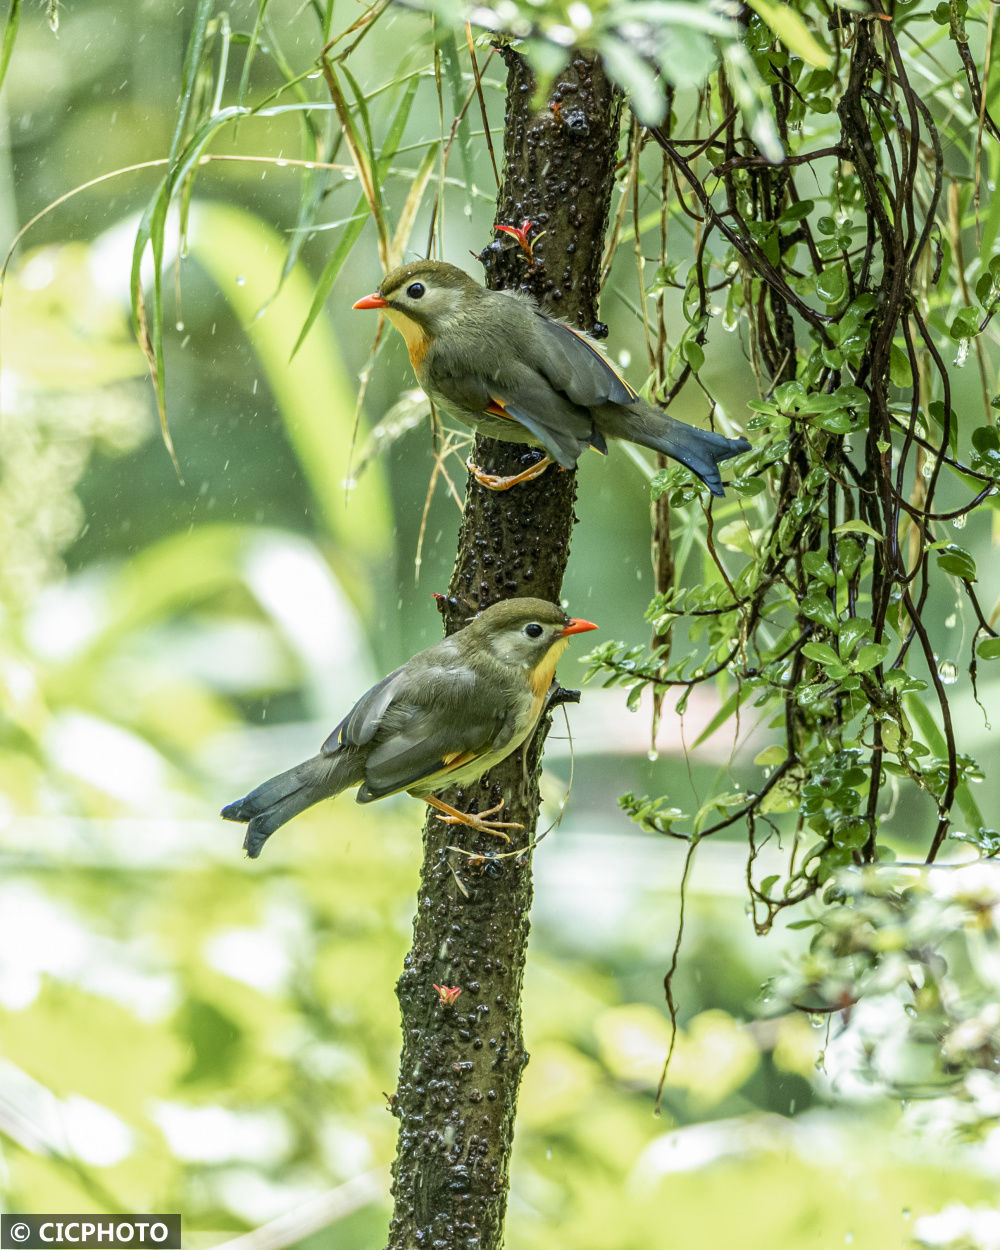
(452, 816)
(494, 481)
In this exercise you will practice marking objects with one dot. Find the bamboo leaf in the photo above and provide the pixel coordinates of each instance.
(315, 394)
(792, 31)
(9, 36)
(921, 716)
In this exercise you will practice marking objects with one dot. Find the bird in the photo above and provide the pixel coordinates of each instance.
(441, 719)
(500, 364)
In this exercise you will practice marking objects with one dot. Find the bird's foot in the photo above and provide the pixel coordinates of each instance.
(474, 820)
(495, 481)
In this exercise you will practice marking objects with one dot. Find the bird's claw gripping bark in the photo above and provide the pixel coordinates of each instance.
(474, 820)
(495, 481)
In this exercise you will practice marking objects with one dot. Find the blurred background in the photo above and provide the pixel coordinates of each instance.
(182, 1030)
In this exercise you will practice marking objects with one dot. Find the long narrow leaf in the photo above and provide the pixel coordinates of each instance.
(448, 47)
(359, 157)
(314, 394)
(921, 715)
(9, 35)
(241, 91)
(189, 76)
(354, 228)
(414, 198)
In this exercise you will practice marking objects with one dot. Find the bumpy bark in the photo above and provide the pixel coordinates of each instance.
(461, 1064)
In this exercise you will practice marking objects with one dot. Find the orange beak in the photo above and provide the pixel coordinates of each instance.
(371, 301)
(577, 627)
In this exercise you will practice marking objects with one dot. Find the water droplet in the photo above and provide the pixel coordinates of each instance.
(240, 280)
(652, 755)
(960, 520)
(957, 89)
(962, 355)
(624, 358)
(951, 621)
(350, 175)
(927, 468)
(179, 327)
(281, 164)
(947, 672)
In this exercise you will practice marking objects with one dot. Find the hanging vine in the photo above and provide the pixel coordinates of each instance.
(813, 599)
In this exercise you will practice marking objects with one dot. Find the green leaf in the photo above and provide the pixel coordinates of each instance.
(315, 393)
(792, 31)
(821, 653)
(831, 283)
(796, 212)
(693, 354)
(869, 656)
(835, 422)
(965, 324)
(989, 649)
(857, 527)
(9, 35)
(955, 560)
(921, 716)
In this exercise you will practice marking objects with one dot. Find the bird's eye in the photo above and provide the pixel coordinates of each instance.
(534, 630)
(415, 290)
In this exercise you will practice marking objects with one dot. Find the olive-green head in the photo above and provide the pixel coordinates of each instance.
(430, 293)
(528, 634)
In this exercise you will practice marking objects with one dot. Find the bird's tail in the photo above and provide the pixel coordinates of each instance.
(280, 798)
(702, 451)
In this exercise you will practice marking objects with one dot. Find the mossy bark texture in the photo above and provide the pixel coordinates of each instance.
(461, 1063)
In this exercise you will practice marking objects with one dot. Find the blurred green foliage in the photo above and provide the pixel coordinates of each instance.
(182, 1030)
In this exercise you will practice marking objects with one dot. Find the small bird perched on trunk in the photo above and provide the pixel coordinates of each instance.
(495, 361)
(441, 719)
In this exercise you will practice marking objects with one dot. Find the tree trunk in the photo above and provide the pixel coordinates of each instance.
(461, 1063)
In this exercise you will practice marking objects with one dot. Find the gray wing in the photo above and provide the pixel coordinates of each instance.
(426, 743)
(576, 366)
(417, 728)
(362, 722)
(536, 373)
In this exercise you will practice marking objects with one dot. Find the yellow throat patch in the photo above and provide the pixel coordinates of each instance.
(417, 342)
(545, 670)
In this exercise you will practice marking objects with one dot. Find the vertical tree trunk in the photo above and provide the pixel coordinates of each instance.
(461, 1064)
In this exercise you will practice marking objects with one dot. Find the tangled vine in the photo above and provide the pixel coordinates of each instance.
(818, 597)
